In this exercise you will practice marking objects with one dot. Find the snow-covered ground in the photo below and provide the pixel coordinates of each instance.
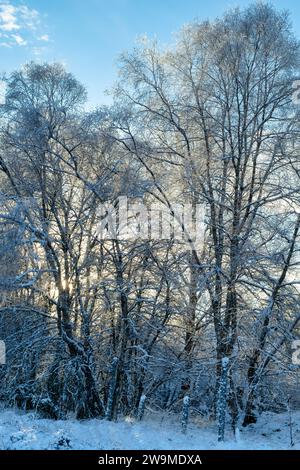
(26, 431)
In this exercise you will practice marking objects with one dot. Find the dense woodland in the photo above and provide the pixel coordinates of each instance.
(108, 327)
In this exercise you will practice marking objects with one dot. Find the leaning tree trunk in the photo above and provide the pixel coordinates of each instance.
(222, 399)
(88, 403)
(190, 323)
(117, 371)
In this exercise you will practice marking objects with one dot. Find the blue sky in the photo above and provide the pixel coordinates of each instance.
(88, 35)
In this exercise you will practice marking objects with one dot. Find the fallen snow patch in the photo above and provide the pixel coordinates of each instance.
(27, 431)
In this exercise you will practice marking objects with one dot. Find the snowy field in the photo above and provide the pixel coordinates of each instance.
(27, 431)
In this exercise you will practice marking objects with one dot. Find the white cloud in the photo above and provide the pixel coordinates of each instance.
(29, 17)
(19, 40)
(8, 17)
(20, 25)
(44, 38)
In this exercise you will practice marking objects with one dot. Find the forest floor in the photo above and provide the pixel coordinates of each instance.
(27, 431)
